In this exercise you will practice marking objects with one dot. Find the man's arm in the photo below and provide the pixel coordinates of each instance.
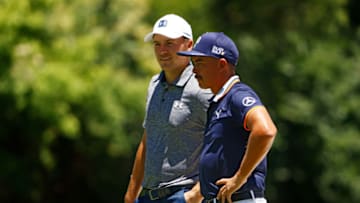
(194, 195)
(262, 135)
(137, 174)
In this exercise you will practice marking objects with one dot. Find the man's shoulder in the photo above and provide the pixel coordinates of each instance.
(154, 80)
(242, 95)
(155, 77)
(241, 86)
(241, 89)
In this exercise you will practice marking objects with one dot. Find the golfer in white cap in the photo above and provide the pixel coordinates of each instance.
(166, 163)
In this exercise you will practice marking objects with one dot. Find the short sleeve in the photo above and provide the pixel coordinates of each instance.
(243, 102)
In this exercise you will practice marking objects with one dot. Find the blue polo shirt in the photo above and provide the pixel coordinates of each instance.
(226, 139)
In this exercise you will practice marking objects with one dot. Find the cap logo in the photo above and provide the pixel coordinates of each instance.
(162, 23)
(217, 50)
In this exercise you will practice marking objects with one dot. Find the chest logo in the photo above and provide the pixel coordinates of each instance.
(217, 113)
(248, 101)
(178, 104)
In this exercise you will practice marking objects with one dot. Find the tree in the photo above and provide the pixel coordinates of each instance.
(72, 95)
(73, 77)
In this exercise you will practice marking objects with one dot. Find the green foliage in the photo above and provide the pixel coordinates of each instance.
(324, 92)
(73, 79)
(72, 92)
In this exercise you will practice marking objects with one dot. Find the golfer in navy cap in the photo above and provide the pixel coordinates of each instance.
(239, 131)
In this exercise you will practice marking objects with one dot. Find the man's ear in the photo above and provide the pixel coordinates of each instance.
(190, 44)
(223, 63)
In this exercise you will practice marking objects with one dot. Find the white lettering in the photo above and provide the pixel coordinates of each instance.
(217, 50)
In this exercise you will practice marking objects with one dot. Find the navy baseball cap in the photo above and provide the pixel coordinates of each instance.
(214, 44)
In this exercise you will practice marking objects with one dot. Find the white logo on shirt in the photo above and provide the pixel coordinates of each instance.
(248, 101)
(218, 112)
(178, 104)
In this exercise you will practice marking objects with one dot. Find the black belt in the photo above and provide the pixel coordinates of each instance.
(239, 196)
(160, 193)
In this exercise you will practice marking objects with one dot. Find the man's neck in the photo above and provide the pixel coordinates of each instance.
(172, 76)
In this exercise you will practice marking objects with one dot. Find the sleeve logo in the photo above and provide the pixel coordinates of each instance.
(248, 101)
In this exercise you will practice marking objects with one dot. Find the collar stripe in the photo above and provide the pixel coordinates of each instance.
(227, 86)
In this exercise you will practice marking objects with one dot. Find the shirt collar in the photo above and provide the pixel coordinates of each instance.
(182, 80)
(227, 86)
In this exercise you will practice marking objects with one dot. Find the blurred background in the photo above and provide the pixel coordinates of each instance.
(74, 74)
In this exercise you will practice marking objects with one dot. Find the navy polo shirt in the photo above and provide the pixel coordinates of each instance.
(226, 139)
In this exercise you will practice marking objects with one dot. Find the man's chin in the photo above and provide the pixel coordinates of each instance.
(164, 64)
(201, 85)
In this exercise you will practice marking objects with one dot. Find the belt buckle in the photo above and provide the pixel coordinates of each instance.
(153, 197)
(160, 193)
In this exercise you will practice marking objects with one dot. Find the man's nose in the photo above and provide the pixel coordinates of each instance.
(163, 48)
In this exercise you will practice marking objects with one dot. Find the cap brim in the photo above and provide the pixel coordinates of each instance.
(191, 53)
(150, 35)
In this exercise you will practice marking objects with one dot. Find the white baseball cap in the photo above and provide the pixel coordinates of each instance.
(171, 26)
